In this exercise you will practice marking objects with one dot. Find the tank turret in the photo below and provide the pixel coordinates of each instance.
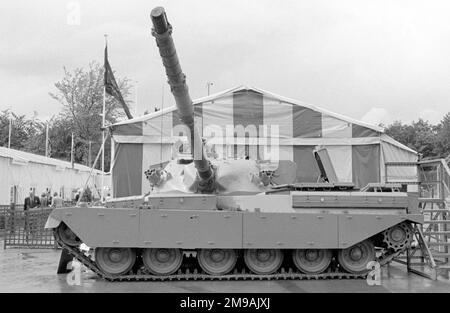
(162, 31)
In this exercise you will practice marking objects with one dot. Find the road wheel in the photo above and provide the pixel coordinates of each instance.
(217, 261)
(355, 259)
(115, 261)
(312, 261)
(263, 261)
(162, 261)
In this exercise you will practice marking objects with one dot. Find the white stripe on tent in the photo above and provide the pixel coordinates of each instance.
(394, 142)
(341, 158)
(392, 153)
(287, 153)
(154, 126)
(278, 114)
(335, 128)
(214, 121)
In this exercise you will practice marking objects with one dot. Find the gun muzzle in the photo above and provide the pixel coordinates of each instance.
(159, 20)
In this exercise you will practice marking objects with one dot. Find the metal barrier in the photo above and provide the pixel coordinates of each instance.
(25, 229)
(2, 216)
(431, 257)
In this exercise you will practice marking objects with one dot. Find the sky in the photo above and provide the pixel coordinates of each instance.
(377, 61)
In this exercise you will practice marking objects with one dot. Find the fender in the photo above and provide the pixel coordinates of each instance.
(52, 222)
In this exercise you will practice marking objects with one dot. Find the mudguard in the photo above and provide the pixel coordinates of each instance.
(53, 221)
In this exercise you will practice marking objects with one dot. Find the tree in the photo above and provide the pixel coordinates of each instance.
(425, 138)
(35, 143)
(80, 92)
(21, 130)
(443, 137)
(402, 133)
(420, 136)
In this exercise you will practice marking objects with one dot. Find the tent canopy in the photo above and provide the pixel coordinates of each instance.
(251, 122)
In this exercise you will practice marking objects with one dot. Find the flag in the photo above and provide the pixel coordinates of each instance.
(111, 86)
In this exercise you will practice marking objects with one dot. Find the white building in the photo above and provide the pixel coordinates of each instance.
(21, 171)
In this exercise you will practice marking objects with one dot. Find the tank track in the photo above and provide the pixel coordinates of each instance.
(194, 275)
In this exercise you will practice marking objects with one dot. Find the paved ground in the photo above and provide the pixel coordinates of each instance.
(26, 270)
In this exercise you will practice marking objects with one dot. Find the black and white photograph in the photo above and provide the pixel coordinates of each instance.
(225, 153)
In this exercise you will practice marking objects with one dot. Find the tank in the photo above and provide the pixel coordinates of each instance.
(236, 219)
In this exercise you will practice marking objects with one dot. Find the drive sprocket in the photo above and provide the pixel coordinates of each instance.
(398, 237)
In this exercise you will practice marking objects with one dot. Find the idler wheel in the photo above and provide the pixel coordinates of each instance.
(115, 261)
(263, 261)
(398, 237)
(217, 261)
(68, 236)
(312, 261)
(355, 259)
(162, 261)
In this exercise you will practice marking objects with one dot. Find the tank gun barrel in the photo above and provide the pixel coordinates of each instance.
(162, 31)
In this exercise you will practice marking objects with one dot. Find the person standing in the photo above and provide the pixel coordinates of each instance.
(57, 202)
(44, 200)
(30, 202)
(77, 196)
(49, 197)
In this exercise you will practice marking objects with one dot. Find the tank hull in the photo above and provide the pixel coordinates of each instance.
(324, 234)
(250, 222)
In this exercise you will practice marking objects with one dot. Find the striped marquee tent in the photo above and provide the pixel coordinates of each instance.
(357, 150)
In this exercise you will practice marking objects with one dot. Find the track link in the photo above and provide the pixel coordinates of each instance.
(188, 275)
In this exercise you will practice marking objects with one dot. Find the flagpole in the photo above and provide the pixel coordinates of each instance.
(9, 134)
(89, 157)
(103, 139)
(103, 133)
(71, 152)
(46, 140)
